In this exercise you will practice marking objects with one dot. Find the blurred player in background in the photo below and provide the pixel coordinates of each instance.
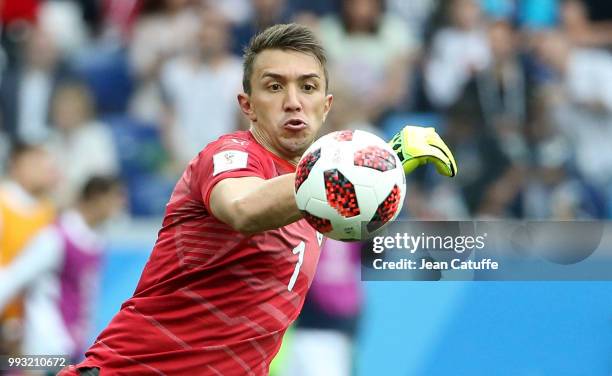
(77, 132)
(24, 210)
(234, 258)
(327, 325)
(58, 272)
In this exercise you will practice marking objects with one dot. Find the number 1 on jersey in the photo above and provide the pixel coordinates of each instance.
(299, 250)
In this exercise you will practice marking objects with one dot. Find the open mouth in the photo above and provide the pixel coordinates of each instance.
(295, 124)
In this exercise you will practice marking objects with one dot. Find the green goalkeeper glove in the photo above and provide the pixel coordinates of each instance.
(416, 146)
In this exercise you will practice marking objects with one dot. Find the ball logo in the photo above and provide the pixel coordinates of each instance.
(337, 157)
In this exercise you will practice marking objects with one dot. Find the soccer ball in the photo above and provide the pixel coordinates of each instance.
(349, 184)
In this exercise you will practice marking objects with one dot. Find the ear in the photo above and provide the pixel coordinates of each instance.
(244, 101)
(327, 106)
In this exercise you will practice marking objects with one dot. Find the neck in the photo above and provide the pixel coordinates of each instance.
(264, 141)
(88, 215)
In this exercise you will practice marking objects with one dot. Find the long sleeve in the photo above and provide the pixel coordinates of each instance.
(41, 255)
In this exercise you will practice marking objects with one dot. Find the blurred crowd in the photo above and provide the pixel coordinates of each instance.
(91, 90)
(521, 89)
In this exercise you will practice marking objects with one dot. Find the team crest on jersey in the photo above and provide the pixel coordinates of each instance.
(229, 160)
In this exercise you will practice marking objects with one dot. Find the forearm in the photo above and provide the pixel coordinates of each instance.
(270, 205)
(42, 255)
(259, 206)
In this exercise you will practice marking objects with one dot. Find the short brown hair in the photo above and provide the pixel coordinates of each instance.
(99, 185)
(282, 37)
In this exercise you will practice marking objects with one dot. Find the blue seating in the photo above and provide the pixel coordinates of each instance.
(106, 72)
(148, 194)
(141, 157)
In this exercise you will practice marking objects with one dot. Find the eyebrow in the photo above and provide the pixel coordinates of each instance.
(280, 77)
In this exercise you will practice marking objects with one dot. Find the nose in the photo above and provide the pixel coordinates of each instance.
(292, 101)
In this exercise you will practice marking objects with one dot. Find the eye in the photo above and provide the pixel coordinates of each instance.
(275, 87)
(309, 88)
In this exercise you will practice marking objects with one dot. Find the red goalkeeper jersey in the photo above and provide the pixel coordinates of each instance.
(212, 301)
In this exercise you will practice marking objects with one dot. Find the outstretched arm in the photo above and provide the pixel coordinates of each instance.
(252, 204)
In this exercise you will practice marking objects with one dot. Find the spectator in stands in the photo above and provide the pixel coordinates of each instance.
(64, 21)
(235, 11)
(16, 18)
(372, 50)
(265, 13)
(502, 91)
(554, 191)
(580, 30)
(58, 273)
(348, 112)
(24, 210)
(489, 180)
(458, 52)
(200, 91)
(163, 30)
(582, 102)
(27, 86)
(416, 14)
(114, 19)
(82, 145)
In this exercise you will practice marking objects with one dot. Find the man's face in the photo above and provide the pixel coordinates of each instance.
(70, 108)
(465, 13)
(36, 171)
(213, 35)
(110, 204)
(362, 14)
(502, 40)
(554, 50)
(288, 103)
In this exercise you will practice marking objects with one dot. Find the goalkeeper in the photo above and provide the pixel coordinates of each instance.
(223, 282)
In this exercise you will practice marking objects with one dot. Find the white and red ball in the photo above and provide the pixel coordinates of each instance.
(349, 184)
